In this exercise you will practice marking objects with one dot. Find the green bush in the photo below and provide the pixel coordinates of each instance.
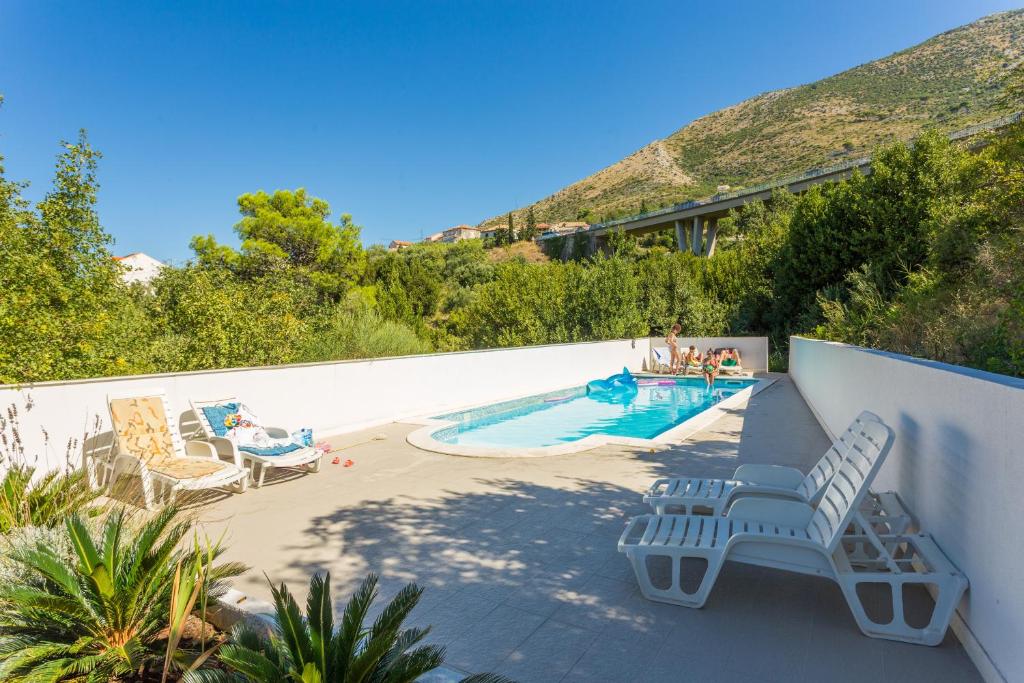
(357, 331)
(315, 649)
(95, 614)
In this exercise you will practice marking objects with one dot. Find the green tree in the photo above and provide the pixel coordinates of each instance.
(530, 229)
(290, 229)
(521, 305)
(601, 300)
(64, 309)
(212, 318)
(881, 221)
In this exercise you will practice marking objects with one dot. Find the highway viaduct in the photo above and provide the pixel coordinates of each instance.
(696, 222)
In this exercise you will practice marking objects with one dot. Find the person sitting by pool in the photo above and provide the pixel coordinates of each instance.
(675, 363)
(692, 359)
(711, 363)
(731, 360)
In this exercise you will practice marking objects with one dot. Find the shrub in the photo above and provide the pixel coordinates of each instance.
(358, 332)
(312, 649)
(96, 614)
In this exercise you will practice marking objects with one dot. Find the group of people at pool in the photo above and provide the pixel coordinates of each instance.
(709, 364)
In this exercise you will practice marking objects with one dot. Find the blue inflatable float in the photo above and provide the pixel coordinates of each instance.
(623, 382)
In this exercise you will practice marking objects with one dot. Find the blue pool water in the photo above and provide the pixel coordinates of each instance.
(571, 415)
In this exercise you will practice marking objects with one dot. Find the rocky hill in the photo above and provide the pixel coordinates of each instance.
(950, 81)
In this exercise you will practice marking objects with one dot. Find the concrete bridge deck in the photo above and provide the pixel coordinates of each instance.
(696, 222)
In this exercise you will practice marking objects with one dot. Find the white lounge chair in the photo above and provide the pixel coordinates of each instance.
(304, 457)
(147, 443)
(684, 494)
(730, 370)
(793, 536)
(661, 359)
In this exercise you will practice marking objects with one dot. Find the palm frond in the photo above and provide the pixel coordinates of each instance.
(383, 634)
(293, 627)
(252, 663)
(320, 618)
(487, 678)
(347, 640)
(410, 666)
(213, 676)
(99, 601)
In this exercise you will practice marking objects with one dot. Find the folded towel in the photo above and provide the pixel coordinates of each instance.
(272, 450)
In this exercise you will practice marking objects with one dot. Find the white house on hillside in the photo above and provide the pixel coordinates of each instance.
(139, 267)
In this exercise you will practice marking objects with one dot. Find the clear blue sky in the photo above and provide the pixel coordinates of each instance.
(412, 116)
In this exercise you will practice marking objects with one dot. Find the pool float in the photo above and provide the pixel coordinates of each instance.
(623, 381)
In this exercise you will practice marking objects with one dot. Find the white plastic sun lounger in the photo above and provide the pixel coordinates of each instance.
(662, 359)
(147, 443)
(307, 458)
(689, 495)
(792, 536)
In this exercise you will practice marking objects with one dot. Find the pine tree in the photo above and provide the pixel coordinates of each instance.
(530, 231)
(510, 230)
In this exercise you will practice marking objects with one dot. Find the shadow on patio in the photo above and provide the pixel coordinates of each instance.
(522, 575)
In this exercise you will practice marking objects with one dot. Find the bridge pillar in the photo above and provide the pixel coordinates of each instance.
(712, 236)
(697, 236)
(681, 241)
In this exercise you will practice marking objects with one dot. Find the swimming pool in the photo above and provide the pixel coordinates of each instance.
(572, 416)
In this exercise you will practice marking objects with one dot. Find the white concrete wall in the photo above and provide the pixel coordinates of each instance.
(957, 462)
(329, 397)
(753, 350)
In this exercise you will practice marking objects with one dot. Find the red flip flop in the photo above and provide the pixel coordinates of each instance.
(349, 463)
(336, 460)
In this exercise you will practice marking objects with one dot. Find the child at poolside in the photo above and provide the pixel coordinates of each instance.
(692, 360)
(711, 363)
(673, 348)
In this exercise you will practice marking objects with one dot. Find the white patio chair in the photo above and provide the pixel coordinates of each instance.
(716, 495)
(731, 370)
(147, 443)
(661, 359)
(304, 457)
(793, 536)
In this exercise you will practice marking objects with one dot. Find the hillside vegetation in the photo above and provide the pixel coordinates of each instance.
(948, 82)
(922, 257)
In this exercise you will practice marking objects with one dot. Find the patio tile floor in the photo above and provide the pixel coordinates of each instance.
(519, 564)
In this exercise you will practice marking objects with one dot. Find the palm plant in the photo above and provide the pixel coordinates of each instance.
(96, 614)
(45, 502)
(310, 650)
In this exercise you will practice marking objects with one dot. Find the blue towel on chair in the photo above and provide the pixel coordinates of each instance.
(273, 450)
(216, 415)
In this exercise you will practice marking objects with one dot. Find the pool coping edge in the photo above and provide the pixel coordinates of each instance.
(422, 438)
